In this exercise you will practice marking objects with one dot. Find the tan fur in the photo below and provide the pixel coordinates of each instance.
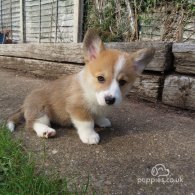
(65, 98)
(58, 100)
(17, 117)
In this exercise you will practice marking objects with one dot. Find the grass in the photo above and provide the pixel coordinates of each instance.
(19, 176)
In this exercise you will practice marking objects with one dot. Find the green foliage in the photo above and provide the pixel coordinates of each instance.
(105, 20)
(18, 174)
(112, 18)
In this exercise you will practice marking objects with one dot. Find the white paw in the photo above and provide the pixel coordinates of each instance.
(89, 137)
(43, 130)
(103, 122)
(11, 126)
(46, 133)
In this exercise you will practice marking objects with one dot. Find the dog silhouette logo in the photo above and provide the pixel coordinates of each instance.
(159, 170)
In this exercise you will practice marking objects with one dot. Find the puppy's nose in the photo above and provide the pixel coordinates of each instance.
(109, 100)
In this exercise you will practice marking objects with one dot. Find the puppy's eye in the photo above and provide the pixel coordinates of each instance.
(101, 79)
(122, 82)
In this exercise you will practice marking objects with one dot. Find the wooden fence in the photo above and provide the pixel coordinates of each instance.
(169, 78)
(47, 21)
(42, 20)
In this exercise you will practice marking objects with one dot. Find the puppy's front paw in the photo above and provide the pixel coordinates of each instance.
(103, 122)
(86, 131)
(89, 137)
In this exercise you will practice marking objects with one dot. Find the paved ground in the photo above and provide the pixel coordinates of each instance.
(143, 135)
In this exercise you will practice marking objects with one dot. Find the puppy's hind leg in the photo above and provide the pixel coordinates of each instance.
(42, 127)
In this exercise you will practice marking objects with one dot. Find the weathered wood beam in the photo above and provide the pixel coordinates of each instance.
(45, 51)
(179, 91)
(163, 58)
(184, 57)
(147, 87)
(45, 69)
(73, 53)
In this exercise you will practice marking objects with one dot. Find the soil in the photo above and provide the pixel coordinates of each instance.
(142, 135)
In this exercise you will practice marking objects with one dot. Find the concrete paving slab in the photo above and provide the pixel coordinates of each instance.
(145, 139)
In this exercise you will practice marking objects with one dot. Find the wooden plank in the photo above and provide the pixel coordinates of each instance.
(22, 24)
(77, 22)
(185, 62)
(50, 70)
(50, 52)
(163, 59)
(183, 47)
(72, 52)
(179, 91)
(56, 21)
(147, 87)
(184, 54)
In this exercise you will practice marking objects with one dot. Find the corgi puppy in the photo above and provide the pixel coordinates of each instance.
(83, 98)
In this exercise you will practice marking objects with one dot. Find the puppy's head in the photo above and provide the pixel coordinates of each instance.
(112, 72)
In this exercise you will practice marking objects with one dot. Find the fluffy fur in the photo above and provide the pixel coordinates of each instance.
(83, 98)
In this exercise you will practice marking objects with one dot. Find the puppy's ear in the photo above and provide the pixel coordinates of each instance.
(141, 58)
(92, 45)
